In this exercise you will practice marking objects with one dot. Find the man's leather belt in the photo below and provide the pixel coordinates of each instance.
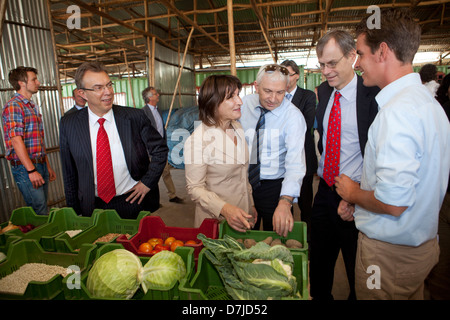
(34, 160)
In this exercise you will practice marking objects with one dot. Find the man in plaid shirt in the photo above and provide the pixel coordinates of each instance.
(24, 139)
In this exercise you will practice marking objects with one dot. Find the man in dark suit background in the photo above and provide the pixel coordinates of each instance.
(153, 113)
(132, 141)
(80, 103)
(305, 100)
(336, 52)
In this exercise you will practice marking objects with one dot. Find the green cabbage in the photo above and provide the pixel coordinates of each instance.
(116, 274)
(162, 270)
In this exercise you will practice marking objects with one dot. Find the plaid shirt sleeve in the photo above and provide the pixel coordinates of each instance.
(20, 119)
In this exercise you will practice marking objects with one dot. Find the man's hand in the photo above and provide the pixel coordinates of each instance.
(346, 210)
(36, 179)
(282, 220)
(51, 173)
(346, 187)
(139, 191)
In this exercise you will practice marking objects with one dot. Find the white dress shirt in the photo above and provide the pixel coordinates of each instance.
(122, 178)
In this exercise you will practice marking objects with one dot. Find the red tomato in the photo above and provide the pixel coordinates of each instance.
(176, 244)
(145, 247)
(155, 241)
(161, 247)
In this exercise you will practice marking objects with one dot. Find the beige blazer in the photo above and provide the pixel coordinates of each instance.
(217, 171)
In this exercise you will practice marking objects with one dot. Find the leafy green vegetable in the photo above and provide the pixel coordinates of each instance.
(116, 274)
(162, 270)
(260, 272)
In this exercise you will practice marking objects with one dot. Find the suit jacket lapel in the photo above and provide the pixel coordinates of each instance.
(85, 136)
(124, 128)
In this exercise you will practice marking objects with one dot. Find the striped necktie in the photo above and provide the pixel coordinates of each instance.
(254, 168)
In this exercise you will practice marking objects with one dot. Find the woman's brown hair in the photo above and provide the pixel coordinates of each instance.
(214, 90)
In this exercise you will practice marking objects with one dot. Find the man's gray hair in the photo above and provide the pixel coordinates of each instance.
(344, 40)
(273, 75)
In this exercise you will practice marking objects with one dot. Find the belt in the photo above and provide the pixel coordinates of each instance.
(34, 160)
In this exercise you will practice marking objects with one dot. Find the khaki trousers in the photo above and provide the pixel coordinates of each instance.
(386, 271)
(168, 182)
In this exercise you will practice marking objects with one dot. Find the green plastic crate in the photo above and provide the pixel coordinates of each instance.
(105, 222)
(298, 233)
(29, 251)
(20, 217)
(186, 253)
(60, 220)
(207, 284)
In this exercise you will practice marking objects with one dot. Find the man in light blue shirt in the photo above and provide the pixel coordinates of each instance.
(282, 156)
(406, 166)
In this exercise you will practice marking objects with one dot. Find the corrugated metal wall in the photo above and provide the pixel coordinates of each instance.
(27, 41)
(166, 75)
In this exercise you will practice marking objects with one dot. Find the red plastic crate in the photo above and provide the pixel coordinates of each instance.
(154, 227)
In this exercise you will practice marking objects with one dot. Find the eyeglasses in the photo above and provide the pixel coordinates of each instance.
(330, 65)
(273, 67)
(99, 88)
(292, 74)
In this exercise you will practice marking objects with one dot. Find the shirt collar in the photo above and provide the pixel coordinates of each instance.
(293, 91)
(21, 97)
(93, 118)
(152, 107)
(278, 110)
(391, 89)
(348, 92)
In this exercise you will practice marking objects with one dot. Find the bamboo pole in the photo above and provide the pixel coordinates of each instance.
(179, 76)
(129, 79)
(231, 38)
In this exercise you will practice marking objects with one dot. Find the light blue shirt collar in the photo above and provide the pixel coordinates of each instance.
(394, 87)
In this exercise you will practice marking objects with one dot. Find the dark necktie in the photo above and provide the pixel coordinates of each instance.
(254, 168)
(333, 146)
(106, 187)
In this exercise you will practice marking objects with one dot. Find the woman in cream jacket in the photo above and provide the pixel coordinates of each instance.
(216, 157)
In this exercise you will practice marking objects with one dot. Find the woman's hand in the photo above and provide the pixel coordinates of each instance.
(237, 218)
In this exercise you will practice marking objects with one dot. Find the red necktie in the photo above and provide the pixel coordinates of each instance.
(106, 187)
(333, 147)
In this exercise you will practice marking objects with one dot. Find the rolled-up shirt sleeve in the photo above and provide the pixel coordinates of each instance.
(400, 148)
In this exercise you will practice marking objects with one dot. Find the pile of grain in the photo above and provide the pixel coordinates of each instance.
(110, 236)
(17, 281)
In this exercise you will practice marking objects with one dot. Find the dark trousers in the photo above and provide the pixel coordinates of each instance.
(127, 210)
(305, 202)
(266, 198)
(329, 235)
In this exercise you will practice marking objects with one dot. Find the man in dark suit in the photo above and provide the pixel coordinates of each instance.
(80, 103)
(305, 100)
(153, 113)
(105, 151)
(345, 110)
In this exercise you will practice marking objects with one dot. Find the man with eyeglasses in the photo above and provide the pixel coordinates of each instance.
(344, 113)
(275, 130)
(305, 101)
(105, 151)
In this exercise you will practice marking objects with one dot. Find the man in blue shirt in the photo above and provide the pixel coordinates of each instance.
(406, 167)
(280, 160)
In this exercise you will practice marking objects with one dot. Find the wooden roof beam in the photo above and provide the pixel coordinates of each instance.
(95, 11)
(183, 16)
